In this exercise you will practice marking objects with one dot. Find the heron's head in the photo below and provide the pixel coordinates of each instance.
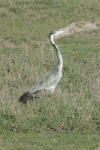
(53, 33)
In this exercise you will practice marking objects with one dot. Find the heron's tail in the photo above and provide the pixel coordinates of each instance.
(25, 96)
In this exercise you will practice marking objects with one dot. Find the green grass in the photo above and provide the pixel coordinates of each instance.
(71, 120)
(50, 140)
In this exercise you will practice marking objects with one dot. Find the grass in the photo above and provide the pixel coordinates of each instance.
(51, 140)
(71, 120)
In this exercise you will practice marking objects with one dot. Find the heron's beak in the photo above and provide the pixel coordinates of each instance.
(59, 32)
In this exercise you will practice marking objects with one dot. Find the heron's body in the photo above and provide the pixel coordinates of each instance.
(48, 81)
(51, 78)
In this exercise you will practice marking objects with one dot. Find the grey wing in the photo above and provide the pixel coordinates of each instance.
(47, 80)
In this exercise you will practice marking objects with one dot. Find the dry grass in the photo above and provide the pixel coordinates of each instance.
(26, 56)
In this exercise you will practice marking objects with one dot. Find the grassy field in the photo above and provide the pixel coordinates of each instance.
(71, 120)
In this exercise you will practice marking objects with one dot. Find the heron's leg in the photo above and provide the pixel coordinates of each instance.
(51, 94)
(33, 100)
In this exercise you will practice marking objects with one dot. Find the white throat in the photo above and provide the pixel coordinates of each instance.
(58, 32)
(52, 39)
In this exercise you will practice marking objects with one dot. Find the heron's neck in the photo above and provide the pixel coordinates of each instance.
(60, 60)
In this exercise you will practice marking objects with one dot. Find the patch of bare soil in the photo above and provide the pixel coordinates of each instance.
(9, 44)
(78, 27)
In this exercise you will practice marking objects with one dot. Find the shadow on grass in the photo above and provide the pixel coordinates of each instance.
(25, 97)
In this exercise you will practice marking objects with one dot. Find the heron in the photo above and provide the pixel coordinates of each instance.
(51, 78)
